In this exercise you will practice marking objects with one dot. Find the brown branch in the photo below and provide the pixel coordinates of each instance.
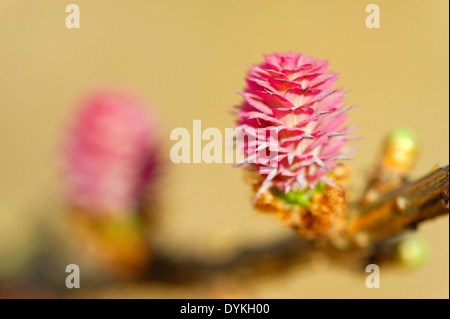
(402, 208)
(247, 262)
(388, 216)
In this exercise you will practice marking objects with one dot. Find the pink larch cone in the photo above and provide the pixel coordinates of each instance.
(110, 170)
(110, 156)
(291, 95)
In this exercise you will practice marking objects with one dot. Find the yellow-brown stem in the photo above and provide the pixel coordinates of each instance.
(402, 208)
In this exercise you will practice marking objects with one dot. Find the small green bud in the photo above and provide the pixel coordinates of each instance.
(412, 251)
(299, 196)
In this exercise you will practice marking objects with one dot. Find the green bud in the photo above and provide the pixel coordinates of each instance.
(403, 138)
(412, 251)
(299, 196)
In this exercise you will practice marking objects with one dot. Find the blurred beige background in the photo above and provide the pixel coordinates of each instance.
(187, 59)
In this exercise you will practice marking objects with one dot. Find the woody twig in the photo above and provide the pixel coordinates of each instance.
(402, 208)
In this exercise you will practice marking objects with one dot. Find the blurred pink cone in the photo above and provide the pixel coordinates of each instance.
(110, 156)
(110, 170)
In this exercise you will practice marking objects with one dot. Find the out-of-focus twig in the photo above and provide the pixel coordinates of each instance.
(248, 262)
